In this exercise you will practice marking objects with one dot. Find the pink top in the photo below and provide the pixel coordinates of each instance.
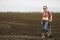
(46, 14)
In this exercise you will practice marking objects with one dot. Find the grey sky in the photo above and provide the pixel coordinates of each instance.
(29, 5)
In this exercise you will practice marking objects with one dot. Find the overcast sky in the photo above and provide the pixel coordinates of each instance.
(29, 5)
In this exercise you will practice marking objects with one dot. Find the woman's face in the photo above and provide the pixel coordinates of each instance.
(44, 8)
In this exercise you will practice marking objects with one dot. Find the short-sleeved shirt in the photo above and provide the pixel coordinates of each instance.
(46, 15)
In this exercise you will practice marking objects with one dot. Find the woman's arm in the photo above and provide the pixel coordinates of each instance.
(51, 17)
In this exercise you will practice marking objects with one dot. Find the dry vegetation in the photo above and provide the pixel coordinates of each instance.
(25, 24)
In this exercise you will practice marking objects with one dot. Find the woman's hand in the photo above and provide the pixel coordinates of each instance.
(50, 20)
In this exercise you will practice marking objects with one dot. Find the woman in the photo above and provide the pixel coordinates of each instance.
(46, 18)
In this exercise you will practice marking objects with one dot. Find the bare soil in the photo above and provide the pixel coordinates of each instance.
(25, 24)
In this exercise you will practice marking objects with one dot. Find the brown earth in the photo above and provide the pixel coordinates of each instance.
(24, 24)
